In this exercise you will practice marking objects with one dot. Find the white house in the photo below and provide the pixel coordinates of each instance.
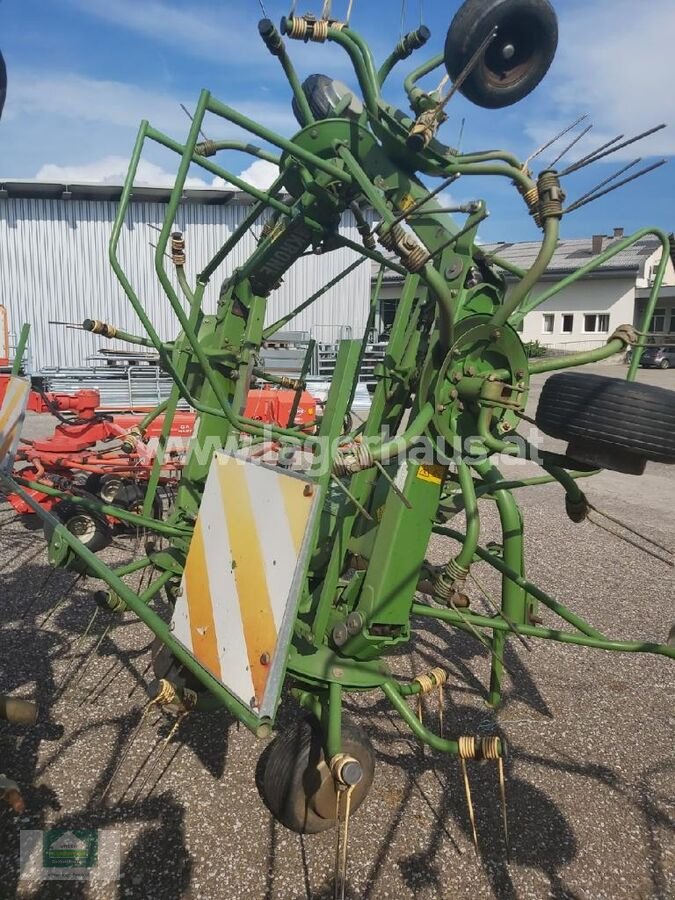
(583, 315)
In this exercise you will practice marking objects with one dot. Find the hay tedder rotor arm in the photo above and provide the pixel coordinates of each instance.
(303, 571)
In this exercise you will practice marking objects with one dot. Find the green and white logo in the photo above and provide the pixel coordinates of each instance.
(65, 849)
(70, 854)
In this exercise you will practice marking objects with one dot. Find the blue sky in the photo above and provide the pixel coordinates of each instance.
(82, 73)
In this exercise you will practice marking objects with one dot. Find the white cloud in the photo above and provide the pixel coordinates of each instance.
(112, 170)
(445, 198)
(259, 174)
(67, 95)
(66, 119)
(616, 62)
(219, 36)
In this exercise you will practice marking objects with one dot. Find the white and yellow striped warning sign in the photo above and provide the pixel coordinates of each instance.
(243, 576)
(11, 419)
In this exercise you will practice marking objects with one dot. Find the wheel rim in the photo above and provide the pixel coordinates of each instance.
(83, 527)
(501, 70)
(323, 796)
(110, 489)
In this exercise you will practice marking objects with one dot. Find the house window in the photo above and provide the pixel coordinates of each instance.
(672, 321)
(387, 315)
(658, 322)
(596, 323)
(548, 323)
(567, 323)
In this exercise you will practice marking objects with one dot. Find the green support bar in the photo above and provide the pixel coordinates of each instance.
(132, 567)
(316, 162)
(536, 631)
(205, 275)
(363, 68)
(467, 487)
(443, 745)
(118, 334)
(106, 509)
(554, 364)
(218, 171)
(514, 597)
(517, 578)
(410, 84)
(20, 351)
(529, 280)
(304, 371)
(214, 147)
(276, 46)
(415, 40)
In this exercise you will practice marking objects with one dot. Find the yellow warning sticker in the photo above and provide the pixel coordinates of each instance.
(432, 474)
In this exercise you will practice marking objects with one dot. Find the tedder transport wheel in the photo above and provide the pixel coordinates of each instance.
(608, 422)
(131, 497)
(92, 531)
(297, 785)
(516, 60)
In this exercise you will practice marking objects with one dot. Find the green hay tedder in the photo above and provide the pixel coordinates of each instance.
(295, 563)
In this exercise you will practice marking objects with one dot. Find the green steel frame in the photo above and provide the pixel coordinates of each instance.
(455, 376)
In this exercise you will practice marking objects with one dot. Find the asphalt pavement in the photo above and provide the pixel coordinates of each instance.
(590, 775)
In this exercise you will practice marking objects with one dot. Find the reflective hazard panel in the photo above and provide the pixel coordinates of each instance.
(12, 415)
(244, 575)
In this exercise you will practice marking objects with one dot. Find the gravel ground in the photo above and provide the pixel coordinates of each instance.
(591, 776)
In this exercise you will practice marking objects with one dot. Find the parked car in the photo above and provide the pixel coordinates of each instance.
(658, 357)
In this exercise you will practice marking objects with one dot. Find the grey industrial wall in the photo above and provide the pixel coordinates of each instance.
(54, 265)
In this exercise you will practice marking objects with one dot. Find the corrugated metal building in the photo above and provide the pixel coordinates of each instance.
(54, 265)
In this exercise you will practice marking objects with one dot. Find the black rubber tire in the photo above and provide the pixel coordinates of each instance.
(322, 94)
(615, 416)
(32, 522)
(292, 774)
(92, 484)
(70, 514)
(131, 496)
(664, 364)
(530, 26)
